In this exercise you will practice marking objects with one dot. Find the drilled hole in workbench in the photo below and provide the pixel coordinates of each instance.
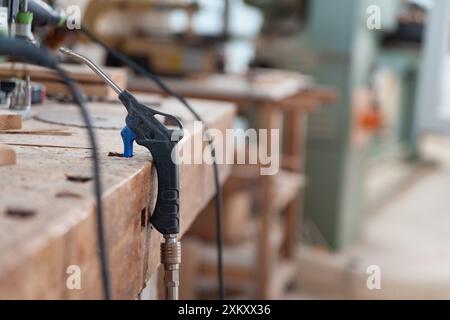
(115, 154)
(68, 194)
(143, 217)
(79, 179)
(20, 213)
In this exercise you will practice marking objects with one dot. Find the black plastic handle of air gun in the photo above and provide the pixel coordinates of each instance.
(166, 216)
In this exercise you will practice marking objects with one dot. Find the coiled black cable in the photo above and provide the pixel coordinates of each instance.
(218, 197)
(42, 57)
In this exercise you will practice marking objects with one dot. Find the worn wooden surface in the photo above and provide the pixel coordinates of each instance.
(47, 220)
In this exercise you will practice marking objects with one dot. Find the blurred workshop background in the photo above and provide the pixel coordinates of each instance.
(361, 209)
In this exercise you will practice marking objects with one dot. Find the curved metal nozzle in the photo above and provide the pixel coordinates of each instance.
(80, 58)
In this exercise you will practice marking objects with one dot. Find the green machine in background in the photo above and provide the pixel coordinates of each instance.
(339, 47)
(342, 52)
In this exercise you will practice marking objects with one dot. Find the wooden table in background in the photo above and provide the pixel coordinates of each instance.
(281, 100)
(47, 217)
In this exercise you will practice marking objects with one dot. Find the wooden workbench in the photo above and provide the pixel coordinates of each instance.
(47, 217)
(278, 100)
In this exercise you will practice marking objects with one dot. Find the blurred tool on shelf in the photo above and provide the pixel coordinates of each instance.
(17, 92)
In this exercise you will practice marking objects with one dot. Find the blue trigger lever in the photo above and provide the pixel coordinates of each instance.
(128, 138)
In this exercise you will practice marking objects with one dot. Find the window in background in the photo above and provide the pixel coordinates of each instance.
(434, 87)
(244, 24)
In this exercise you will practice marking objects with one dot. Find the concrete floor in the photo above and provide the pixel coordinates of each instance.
(407, 237)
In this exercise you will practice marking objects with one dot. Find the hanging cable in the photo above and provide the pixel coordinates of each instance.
(218, 196)
(42, 57)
